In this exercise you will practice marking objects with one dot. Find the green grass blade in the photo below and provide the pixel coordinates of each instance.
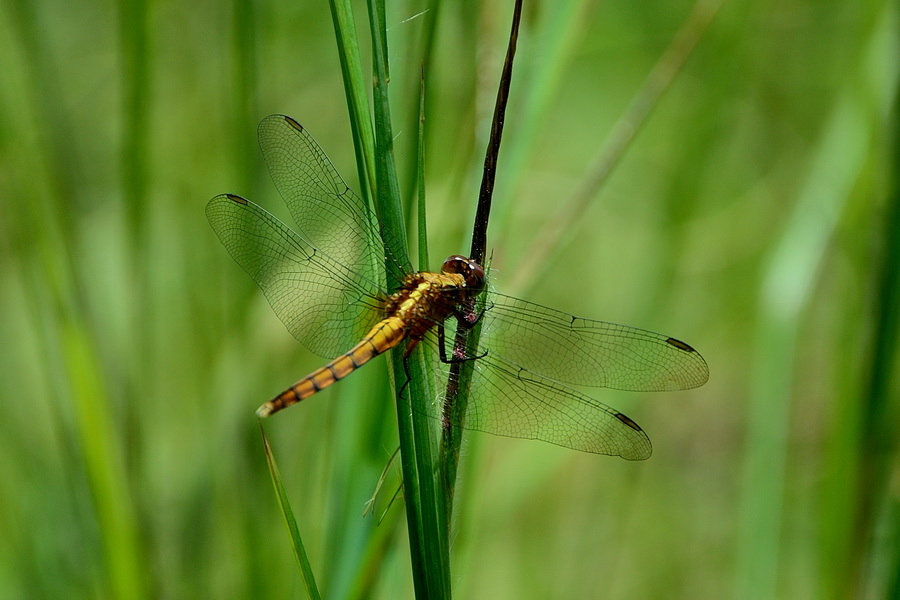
(867, 561)
(430, 357)
(244, 106)
(554, 36)
(376, 171)
(422, 229)
(428, 37)
(429, 546)
(356, 92)
(290, 521)
(787, 288)
(134, 26)
(558, 233)
(104, 463)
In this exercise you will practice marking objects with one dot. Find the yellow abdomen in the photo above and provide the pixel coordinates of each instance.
(382, 337)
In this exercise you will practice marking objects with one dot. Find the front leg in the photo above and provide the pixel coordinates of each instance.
(442, 343)
(468, 318)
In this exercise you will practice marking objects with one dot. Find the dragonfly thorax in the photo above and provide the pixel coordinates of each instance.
(426, 299)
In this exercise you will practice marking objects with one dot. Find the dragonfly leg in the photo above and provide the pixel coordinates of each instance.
(467, 317)
(442, 344)
(409, 349)
(408, 379)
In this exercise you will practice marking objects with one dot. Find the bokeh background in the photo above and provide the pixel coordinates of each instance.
(752, 215)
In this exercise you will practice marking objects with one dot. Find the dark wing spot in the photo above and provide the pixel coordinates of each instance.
(293, 123)
(680, 345)
(236, 198)
(628, 421)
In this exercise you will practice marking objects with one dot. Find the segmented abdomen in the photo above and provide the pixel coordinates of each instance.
(382, 337)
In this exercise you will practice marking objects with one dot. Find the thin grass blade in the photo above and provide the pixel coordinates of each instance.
(290, 521)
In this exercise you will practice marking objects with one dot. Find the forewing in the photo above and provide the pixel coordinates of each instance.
(326, 305)
(327, 212)
(579, 351)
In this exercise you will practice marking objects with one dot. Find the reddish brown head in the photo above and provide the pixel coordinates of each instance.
(472, 272)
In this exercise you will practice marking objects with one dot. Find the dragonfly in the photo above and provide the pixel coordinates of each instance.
(327, 282)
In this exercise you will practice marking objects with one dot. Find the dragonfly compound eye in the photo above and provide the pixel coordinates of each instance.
(472, 272)
(455, 264)
(475, 277)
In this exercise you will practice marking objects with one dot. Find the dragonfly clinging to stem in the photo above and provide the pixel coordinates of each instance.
(326, 281)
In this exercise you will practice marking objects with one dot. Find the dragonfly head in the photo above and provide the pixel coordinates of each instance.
(472, 272)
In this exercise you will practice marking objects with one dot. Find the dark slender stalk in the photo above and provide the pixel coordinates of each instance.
(466, 339)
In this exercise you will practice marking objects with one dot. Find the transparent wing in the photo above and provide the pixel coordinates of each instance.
(519, 386)
(325, 304)
(514, 402)
(325, 285)
(327, 212)
(578, 351)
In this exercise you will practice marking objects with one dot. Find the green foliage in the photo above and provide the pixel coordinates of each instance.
(746, 216)
(284, 503)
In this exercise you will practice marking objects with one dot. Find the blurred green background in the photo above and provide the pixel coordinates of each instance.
(750, 217)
